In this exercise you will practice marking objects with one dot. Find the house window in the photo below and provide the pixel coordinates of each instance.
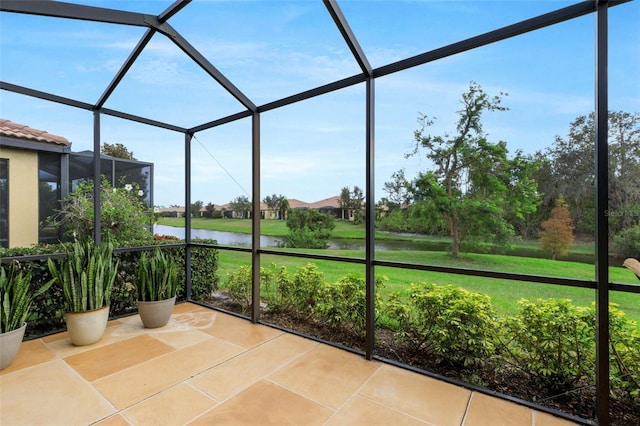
(4, 202)
(49, 172)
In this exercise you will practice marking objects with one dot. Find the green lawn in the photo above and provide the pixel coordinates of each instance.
(343, 230)
(504, 293)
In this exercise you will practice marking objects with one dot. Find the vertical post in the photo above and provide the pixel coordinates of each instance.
(187, 213)
(370, 275)
(602, 224)
(65, 186)
(151, 203)
(97, 181)
(255, 219)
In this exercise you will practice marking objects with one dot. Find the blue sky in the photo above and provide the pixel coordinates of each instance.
(273, 49)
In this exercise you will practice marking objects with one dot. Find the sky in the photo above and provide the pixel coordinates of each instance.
(273, 49)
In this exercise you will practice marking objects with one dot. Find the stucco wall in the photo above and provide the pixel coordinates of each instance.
(23, 196)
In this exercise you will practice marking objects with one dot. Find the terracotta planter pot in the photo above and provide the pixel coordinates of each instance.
(156, 314)
(87, 327)
(10, 345)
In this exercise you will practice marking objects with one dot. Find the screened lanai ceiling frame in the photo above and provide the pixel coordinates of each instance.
(158, 24)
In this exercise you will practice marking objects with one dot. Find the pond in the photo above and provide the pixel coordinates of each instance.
(238, 239)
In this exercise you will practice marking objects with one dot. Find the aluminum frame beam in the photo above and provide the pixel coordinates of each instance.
(602, 205)
(44, 95)
(207, 66)
(142, 120)
(351, 40)
(370, 226)
(176, 7)
(490, 37)
(255, 217)
(58, 9)
(146, 38)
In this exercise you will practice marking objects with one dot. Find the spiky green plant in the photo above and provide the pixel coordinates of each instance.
(157, 276)
(16, 297)
(86, 275)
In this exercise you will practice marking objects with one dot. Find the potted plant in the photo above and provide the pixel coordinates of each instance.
(16, 297)
(157, 285)
(86, 276)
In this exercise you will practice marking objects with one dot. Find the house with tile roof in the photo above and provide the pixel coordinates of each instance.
(37, 170)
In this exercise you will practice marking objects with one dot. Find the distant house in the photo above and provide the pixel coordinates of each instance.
(329, 205)
(37, 169)
(173, 211)
(176, 211)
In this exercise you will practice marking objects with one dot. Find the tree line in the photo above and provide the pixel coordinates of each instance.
(476, 193)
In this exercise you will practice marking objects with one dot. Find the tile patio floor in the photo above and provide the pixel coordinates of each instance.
(209, 368)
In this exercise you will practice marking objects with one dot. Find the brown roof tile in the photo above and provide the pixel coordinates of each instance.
(20, 131)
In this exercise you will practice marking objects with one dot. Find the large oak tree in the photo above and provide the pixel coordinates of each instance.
(475, 187)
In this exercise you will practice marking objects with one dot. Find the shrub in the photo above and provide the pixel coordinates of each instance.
(275, 281)
(124, 215)
(626, 243)
(343, 304)
(454, 325)
(309, 229)
(238, 286)
(624, 352)
(204, 270)
(47, 311)
(552, 342)
(302, 297)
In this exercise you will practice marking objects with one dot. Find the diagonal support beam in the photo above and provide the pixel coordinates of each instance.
(349, 37)
(172, 10)
(207, 66)
(75, 11)
(146, 38)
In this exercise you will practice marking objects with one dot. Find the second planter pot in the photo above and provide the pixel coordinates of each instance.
(156, 314)
(10, 345)
(87, 327)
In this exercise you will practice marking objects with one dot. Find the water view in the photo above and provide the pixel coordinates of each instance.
(240, 239)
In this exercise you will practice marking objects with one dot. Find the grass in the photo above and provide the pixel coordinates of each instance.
(504, 293)
(343, 230)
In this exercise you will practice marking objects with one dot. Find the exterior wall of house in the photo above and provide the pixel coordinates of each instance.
(23, 196)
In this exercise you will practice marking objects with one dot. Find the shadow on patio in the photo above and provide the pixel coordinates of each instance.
(208, 367)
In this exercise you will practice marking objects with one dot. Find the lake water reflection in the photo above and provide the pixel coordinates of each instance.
(237, 239)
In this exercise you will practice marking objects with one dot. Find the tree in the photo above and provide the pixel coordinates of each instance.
(242, 204)
(398, 191)
(272, 202)
(210, 209)
(353, 203)
(283, 207)
(195, 208)
(124, 216)
(308, 228)
(557, 234)
(569, 170)
(117, 150)
(474, 179)
(345, 200)
(277, 204)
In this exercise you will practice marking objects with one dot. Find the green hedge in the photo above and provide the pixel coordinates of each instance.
(550, 342)
(47, 313)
